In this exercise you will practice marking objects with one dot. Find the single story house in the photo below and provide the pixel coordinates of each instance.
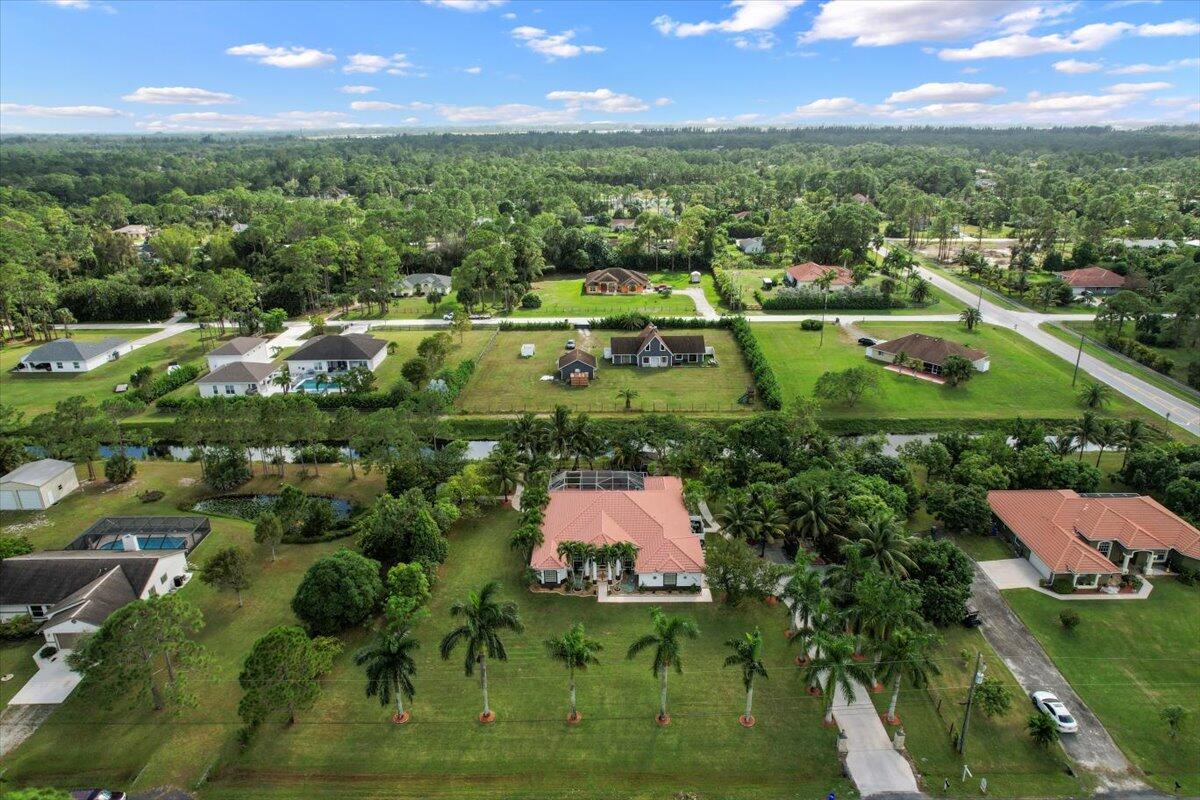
(134, 231)
(645, 515)
(802, 276)
(619, 224)
(751, 246)
(1093, 537)
(652, 349)
(615, 280)
(73, 355)
(1092, 280)
(37, 485)
(576, 362)
(931, 351)
(241, 348)
(240, 378)
(422, 283)
(333, 353)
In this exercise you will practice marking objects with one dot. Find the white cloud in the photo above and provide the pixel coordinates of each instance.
(81, 5)
(552, 45)
(1145, 69)
(465, 5)
(1173, 102)
(24, 110)
(970, 70)
(748, 15)
(283, 57)
(826, 107)
(737, 119)
(763, 40)
(380, 105)
(877, 23)
(663, 101)
(946, 93)
(178, 95)
(1138, 88)
(600, 100)
(509, 15)
(217, 121)
(1073, 66)
(358, 89)
(395, 64)
(473, 70)
(507, 114)
(1088, 38)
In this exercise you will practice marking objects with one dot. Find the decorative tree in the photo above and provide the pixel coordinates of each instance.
(484, 618)
(666, 642)
(575, 651)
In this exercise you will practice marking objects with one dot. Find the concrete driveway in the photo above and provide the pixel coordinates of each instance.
(51, 684)
(1011, 573)
(1092, 748)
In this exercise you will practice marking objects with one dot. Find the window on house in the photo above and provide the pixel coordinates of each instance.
(216, 390)
(58, 365)
(670, 579)
(229, 389)
(550, 576)
(1104, 547)
(75, 364)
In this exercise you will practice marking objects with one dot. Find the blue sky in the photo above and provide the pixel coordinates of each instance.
(88, 65)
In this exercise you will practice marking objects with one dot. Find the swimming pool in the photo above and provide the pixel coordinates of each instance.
(149, 543)
(309, 385)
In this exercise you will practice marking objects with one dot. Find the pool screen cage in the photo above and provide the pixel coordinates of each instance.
(597, 480)
(152, 532)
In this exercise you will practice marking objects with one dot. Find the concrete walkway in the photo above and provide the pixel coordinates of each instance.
(703, 307)
(1092, 748)
(703, 596)
(1017, 573)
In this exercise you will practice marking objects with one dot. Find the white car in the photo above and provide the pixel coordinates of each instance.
(1049, 704)
(448, 317)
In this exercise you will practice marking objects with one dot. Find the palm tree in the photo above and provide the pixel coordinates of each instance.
(883, 540)
(319, 382)
(739, 518)
(575, 651)
(747, 654)
(390, 669)
(666, 640)
(907, 654)
(1108, 434)
(561, 431)
(801, 595)
(484, 618)
(771, 522)
(1083, 431)
(522, 432)
(628, 394)
(815, 515)
(920, 291)
(283, 378)
(572, 551)
(526, 539)
(971, 317)
(1134, 436)
(1095, 395)
(503, 465)
(835, 668)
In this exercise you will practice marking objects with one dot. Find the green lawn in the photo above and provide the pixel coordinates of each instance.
(751, 280)
(346, 745)
(506, 383)
(34, 394)
(1128, 660)
(16, 659)
(406, 347)
(982, 548)
(565, 297)
(406, 308)
(998, 749)
(1024, 379)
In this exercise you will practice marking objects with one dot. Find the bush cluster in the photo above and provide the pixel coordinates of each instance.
(167, 382)
(857, 298)
(727, 287)
(765, 382)
(1140, 353)
(111, 300)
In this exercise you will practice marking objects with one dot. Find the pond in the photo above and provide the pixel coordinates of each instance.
(249, 506)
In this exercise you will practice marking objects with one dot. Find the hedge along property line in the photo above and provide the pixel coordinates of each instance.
(855, 299)
(168, 382)
(727, 288)
(557, 325)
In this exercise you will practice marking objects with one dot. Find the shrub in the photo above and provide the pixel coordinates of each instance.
(14, 546)
(857, 298)
(1069, 618)
(150, 496)
(224, 469)
(1189, 576)
(168, 382)
(338, 592)
(1063, 585)
(811, 325)
(47, 651)
(19, 627)
(119, 468)
(531, 300)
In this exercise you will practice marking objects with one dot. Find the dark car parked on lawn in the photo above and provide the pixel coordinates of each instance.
(867, 341)
(972, 619)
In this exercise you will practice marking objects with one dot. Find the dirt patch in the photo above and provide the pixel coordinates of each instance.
(25, 527)
(187, 481)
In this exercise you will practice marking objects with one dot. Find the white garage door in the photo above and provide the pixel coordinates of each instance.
(29, 498)
(8, 500)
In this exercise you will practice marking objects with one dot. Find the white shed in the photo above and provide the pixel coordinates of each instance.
(527, 350)
(695, 276)
(37, 485)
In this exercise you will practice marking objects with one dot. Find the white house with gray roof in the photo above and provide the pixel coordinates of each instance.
(240, 378)
(73, 355)
(422, 283)
(37, 485)
(240, 348)
(331, 354)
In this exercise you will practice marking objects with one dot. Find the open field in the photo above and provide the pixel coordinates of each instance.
(506, 383)
(998, 748)
(530, 752)
(751, 280)
(1024, 380)
(406, 308)
(1128, 661)
(34, 394)
(406, 347)
(565, 297)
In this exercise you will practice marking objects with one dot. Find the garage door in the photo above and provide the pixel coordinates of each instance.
(29, 498)
(8, 500)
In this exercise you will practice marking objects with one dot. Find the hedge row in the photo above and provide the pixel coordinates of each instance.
(857, 298)
(635, 322)
(727, 287)
(559, 325)
(168, 382)
(769, 393)
(1140, 353)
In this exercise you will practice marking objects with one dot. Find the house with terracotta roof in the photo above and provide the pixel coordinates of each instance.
(931, 351)
(618, 526)
(1091, 538)
(653, 349)
(1092, 280)
(805, 276)
(615, 280)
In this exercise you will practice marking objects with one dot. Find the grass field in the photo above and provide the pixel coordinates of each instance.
(1024, 380)
(406, 347)
(1127, 661)
(565, 297)
(506, 383)
(34, 394)
(406, 308)
(998, 748)
(751, 280)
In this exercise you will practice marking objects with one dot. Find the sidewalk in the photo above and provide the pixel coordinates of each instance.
(704, 596)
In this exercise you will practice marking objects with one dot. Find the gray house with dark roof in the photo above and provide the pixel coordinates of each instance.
(73, 355)
(653, 349)
(422, 283)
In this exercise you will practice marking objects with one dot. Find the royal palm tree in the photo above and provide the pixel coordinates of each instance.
(971, 317)
(884, 541)
(484, 618)
(503, 466)
(628, 394)
(667, 642)
(572, 551)
(907, 654)
(815, 516)
(802, 595)
(747, 654)
(840, 579)
(740, 518)
(575, 651)
(390, 669)
(835, 668)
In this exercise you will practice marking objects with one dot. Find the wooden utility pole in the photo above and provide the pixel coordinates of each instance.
(980, 667)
